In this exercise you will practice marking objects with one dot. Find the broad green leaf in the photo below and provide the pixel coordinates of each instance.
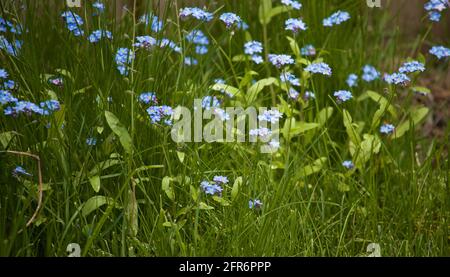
(167, 188)
(313, 168)
(422, 90)
(369, 146)
(323, 116)
(293, 128)
(6, 137)
(204, 206)
(180, 156)
(278, 10)
(383, 102)
(119, 130)
(235, 189)
(257, 87)
(95, 183)
(416, 116)
(65, 73)
(227, 88)
(94, 203)
(239, 58)
(265, 8)
(222, 201)
(343, 187)
(194, 193)
(103, 165)
(348, 123)
(294, 47)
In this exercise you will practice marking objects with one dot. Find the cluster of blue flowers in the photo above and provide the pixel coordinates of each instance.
(370, 73)
(292, 3)
(6, 25)
(352, 80)
(196, 13)
(148, 98)
(435, 8)
(200, 40)
(295, 25)
(321, 68)
(440, 52)
(336, 18)
(214, 187)
(343, 95)
(411, 67)
(255, 204)
(97, 35)
(254, 49)
(397, 78)
(210, 102)
(280, 60)
(145, 42)
(124, 58)
(29, 108)
(230, 19)
(348, 164)
(287, 77)
(156, 24)
(10, 48)
(20, 171)
(272, 116)
(73, 23)
(261, 132)
(91, 141)
(387, 129)
(99, 6)
(308, 50)
(160, 115)
(7, 84)
(16, 107)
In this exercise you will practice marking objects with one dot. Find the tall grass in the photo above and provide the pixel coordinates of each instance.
(312, 205)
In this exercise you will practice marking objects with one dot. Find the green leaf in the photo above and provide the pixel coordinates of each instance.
(324, 115)
(181, 156)
(235, 189)
(383, 102)
(353, 135)
(264, 11)
(294, 47)
(296, 128)
(65, 73)
(343, 187)
(257, 87)
(313, 168)
(167, 188)
(94, 203)
(95, 182)
(6, 137)
(120, 131)
(422, 90)
(239, 58)
(369, 146)
(278, 10)
(416, 116)
(194, 193)
(204, 206)
(223, 87)
(222, 201)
